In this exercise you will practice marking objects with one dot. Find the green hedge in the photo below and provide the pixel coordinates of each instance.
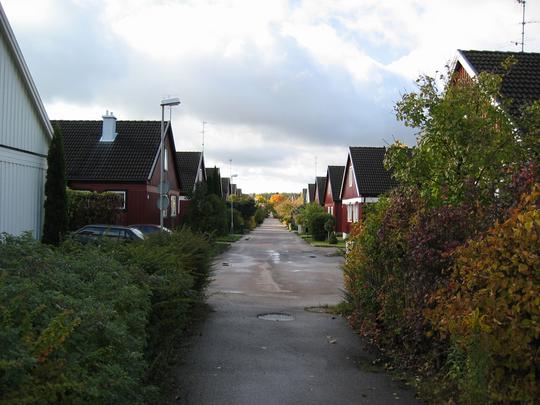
(86, 207)
(88, 324)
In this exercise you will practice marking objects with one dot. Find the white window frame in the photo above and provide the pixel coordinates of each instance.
(165, 159)
(349, 213)
(350, 176)
(173, 206)
(355, 212)
(123, 193)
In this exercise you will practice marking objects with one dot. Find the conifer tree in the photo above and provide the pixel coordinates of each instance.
(56, 218)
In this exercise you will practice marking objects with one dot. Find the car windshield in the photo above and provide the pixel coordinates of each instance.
(138, 233)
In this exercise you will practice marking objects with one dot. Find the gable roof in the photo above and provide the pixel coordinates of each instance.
(335, 178)
(13, 48)
(311, 191)
(188, 164)
(320, 181)
(129, 158)
(521, 83)
(225, 186)
(372, 179)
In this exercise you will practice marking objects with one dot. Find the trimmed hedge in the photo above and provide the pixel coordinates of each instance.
(87, 207)
(88, 324)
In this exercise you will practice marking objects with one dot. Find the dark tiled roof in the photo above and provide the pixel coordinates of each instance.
(210, 171)
(320, 188)
(225, 186)
(188, 168)
(335, 176)
(521, 83)
(371, 176)
(129, 158)
(311, 190)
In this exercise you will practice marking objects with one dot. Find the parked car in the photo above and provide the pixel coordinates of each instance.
(148, 229)
(114, 233)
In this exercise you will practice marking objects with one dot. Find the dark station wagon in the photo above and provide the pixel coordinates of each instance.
(113, 233)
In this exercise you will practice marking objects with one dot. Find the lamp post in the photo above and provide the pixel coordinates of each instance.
(232, 204)
(168, 102)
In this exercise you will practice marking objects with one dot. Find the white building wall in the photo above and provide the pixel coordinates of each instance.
(22, 179)
(20, 125)
(24, 140)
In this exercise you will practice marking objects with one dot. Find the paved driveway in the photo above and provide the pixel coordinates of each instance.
(314, 359)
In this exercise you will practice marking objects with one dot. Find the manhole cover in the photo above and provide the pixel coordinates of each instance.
(313, 256)
(279, 317)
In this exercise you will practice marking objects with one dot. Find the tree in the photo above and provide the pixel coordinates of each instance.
(276, 199)
(56, 215)
(465, 140)
(206, 213)
(213, 181)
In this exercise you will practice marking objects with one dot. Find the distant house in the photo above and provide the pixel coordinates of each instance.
(233, 189)
(520, 83)
(239, 192)
(364, 180)
(304, 196)
(332, 197)
(226, 187)
(192, 171)
(319, 190)
(311, 193)
(213, 178)
(25, 134)
(123, 157)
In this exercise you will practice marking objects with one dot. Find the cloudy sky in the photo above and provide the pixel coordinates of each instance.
(279, 82)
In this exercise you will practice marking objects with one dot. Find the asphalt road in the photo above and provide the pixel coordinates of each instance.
(313, 359)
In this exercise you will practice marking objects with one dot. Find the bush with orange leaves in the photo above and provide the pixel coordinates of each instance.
(490, 310)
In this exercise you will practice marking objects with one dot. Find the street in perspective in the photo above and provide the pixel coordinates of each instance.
(268, 339)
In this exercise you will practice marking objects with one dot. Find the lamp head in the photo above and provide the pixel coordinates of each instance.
(170, 101)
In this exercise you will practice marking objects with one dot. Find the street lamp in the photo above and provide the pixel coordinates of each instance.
(232, 204)
(168, 102)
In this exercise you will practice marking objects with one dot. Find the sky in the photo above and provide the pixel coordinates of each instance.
(285, 86)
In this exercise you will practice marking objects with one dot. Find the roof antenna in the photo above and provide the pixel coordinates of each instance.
(523, 23)
(315, 168)
(202, 132)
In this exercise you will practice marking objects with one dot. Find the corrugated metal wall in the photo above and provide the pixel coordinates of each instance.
(21, 172)
(20, 125)
(22, 178)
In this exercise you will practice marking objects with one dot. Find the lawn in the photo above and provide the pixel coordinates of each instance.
(309, 239)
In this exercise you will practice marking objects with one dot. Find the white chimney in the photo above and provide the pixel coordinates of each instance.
(108, 133)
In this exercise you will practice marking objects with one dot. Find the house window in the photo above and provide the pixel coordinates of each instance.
(123, 195)
(355, 213)
(173, 205)
(166, 160)
(349, 213)
(350, 176)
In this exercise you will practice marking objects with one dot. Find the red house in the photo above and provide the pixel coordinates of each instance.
(311, 193)
(319, 190)
(520, 85)
(364, 180)
(123, 157)
(192, 172)
(332, 198)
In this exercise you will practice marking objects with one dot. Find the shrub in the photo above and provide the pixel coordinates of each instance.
(207, 213)
(490, 307)
(73, 326)
(82, 324)
(316, 225)
(332, 239)
(85, 207)
(260, 215)
(306, 212)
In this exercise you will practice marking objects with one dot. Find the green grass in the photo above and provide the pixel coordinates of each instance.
(230, 238)
(309, 239)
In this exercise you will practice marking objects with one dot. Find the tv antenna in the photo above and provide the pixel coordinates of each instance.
(202, 132)
(523, 23)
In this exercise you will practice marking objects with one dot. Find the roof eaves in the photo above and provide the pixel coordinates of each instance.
(462, 59)
(25, 72)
